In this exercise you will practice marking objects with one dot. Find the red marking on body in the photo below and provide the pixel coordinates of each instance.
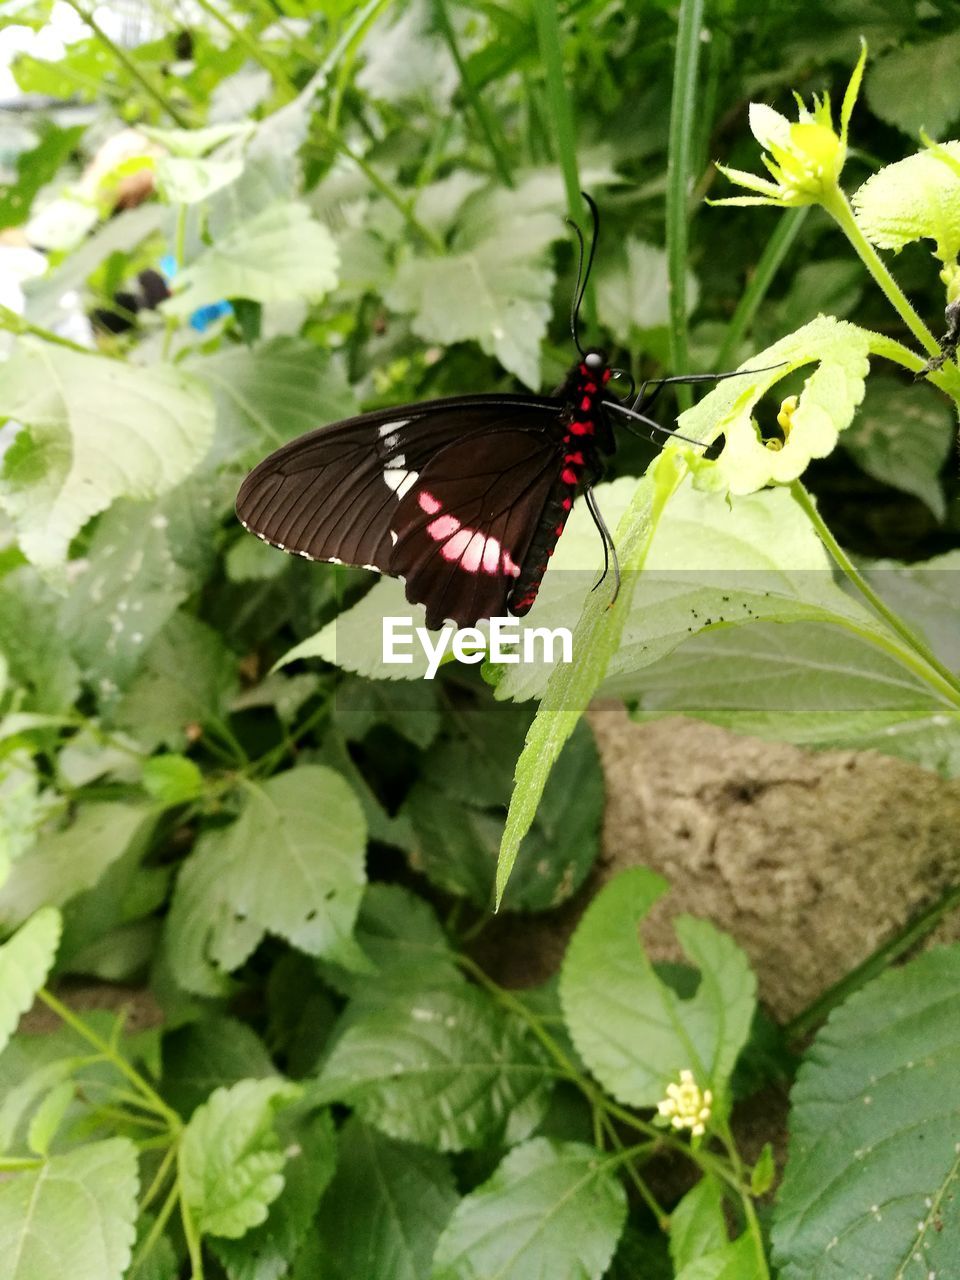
(428, 502)
(567, 504)
(558, 530)
(586, 404)
(606, 374)
(569, 476)
(580, 429)
(584, 370)
(591, 387)
(574, 457)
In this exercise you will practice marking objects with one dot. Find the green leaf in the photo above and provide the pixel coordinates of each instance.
(33, 644)
(81, 71)
(828, 402)
(22, 809)
(697, 1224)
(95, 430)
(509, 285)
(924, 595)
(268, 1251)
(385, 1208)
(124, 590)
(188, 180)
(447, 1069)
(280, 254)
(632, 290)
(550, 1209)
(203, 1056)
(634, 1032)
(197, 142)
(25, 961)
(230, 1162)
(914, 199)
(291, 865)
(764, 1172)
(735, 1261)
(902, 437)
(49, 1115)
(35, 168)
(820, 687)
(458, 808)
(872, 1166)
(266, 396)
(172, 779)
(73, 1217)
(186, 677)
(64, 863)
(914, 87)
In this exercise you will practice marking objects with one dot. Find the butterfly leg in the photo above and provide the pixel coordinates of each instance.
(609, 546)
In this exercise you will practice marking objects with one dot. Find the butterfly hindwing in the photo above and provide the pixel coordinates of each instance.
(464, 528)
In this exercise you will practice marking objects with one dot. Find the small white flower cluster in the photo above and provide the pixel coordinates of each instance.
(686, 1106)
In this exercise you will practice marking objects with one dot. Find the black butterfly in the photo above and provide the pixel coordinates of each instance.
(462, 498)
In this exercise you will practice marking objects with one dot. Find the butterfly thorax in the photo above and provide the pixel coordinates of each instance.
(586, 435)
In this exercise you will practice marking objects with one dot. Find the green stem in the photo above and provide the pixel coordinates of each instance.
(252, 47)
(18, 1164)
(485, 120)
(120, 1116)
(192, 1237)
(946, 379)
(126, 61)
(777, 248)
(873, 966)
(142, 1086)
(159, 1179)
(14, 323)
(155, 1232)
(837, 205)
(746, 1200)
(683, 119)
(854, 576)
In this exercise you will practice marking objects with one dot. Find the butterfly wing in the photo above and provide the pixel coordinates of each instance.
(464, 528)
(333, 494)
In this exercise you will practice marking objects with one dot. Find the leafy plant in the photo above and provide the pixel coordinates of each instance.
(212, 787)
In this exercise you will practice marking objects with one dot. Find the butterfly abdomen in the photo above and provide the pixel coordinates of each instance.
(583, 392)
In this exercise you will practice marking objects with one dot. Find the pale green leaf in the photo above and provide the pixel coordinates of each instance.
(187, 179)
(291, 865)
(735, 1261)
(172, 779)
(385, 1208)
(697, 1224)
(268, 1251)
(828, 402)
(64, 863)
(914, 199)
(634, 1032)
(872, 1170)
(94, 430)
(551, 1209)
(902, 437)
(49, 1115)
(914, 87)
(808, 683)
(197, 142)
(72, 1217)
(280, 254)
(509, 291)
(445, 1068)
(632, 290)
(925, 595)
(25, 961)
(230, 1162)
(33, 645)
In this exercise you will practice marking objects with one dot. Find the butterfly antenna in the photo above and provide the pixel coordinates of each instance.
(650, 423)
(583, 274)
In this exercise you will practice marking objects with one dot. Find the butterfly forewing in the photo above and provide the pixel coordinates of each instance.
(464, 528)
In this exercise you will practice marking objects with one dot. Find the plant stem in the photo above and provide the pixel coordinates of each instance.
(18, 1164)
(746, 1200)
(192, 1236)
(142, 1086)
(252, 47)
(485, 120)
(683, 116)
(159, 1178)
(837, 205)
(14, 323)
(776, 249)
(854, 576)
(126, 61)
(155, 1232)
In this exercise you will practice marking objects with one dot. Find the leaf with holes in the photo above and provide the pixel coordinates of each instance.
(230, 1161)
(291, 865)
(448, 1069)
(93, 430)
(872, 1169)
(550, 1209)
(74, 1216)
(385, 1208)
(634, 1032)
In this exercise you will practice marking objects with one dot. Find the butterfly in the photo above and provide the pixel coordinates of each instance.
(462, 498)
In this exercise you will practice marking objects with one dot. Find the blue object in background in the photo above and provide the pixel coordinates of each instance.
(203, 317)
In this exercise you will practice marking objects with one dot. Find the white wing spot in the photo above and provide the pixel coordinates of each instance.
(393, 537)
(400, 481)
(386, 427)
